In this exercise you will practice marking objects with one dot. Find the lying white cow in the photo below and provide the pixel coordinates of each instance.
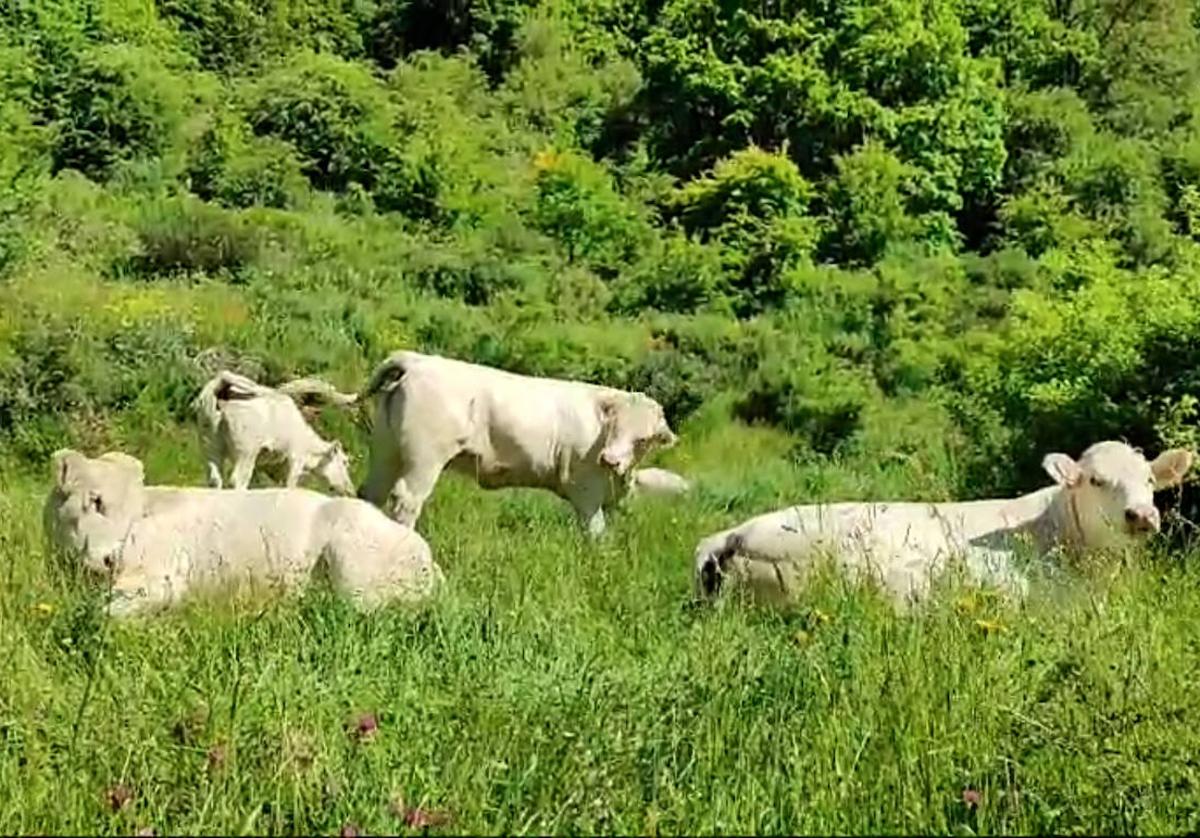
(241, 419)
(1105, 500)
(659, 481)
(578, 440)
(159, 543)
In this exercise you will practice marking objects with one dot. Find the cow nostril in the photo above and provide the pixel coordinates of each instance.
(1131, 516)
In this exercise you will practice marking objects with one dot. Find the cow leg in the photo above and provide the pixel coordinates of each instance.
(383, 467)
(243, 469)
(216, 457)
(295, 468)
(414, 488)
(588, 500)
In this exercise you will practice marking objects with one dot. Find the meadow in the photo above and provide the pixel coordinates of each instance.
(857, 250)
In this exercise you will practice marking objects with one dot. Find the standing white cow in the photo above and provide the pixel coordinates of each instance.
(241, 419)
(580, 441)
(1104, 500)
(159, 543)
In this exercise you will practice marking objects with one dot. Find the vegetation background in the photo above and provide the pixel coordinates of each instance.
(866, 248)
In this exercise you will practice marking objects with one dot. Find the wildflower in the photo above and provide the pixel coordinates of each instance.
(971, 798)
(118, 796)
(967, 604)
(991, 626)
(365, 727)
(216, 757)
(416, 817)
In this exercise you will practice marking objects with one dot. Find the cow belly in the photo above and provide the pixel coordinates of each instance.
(490, 473)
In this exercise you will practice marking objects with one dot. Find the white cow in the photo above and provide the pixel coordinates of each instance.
(1104, 500)
(659, 481)
(159, 543)
(241, 419)
(580, 441)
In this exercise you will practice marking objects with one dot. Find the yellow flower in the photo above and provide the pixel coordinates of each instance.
(991, 626)
(547, 158)
(44, 608)
(820, 616)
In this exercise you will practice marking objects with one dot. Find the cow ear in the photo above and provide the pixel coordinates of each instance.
(64, 466)
(1170, 467)
(130, 465)
(609, 407)
(1065, 471)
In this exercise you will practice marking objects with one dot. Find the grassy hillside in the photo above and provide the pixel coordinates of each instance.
(857, 250)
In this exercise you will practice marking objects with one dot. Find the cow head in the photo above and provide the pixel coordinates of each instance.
(334, 468)
(634, 425)
(94, 503)
(1112, 489)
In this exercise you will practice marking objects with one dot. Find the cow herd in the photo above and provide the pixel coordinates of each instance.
(583, 442)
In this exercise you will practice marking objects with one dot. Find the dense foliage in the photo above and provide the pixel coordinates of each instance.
(824, 210)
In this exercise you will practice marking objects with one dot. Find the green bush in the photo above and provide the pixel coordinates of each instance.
(822, 404)
(676, 274)
(235, 169)
(578, 206)
(869, 206)
(186, 235)
(752, 205)
(334, 113)
(232, 34)
(121, 102)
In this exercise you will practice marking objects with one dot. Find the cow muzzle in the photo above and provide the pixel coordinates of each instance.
(1142, 519)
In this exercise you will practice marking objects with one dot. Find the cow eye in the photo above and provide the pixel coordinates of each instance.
(1097, 481)
(97, 504)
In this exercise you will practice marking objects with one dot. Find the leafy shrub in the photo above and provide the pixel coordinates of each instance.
(120, 102)
(238, 170)
(185, 235)
(230, 34)
(680, 382)
(868, 205)
(676, 274)
(1044, 127)
(1115, 181)
(558, 89)
(753, 205)
(749, 186)
(400, 27)
(333, 113)
(577, 205)
(822, 404)
(471, 269)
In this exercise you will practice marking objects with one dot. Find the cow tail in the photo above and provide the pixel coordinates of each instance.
(310, 390)
(206, 403)
(386, 376)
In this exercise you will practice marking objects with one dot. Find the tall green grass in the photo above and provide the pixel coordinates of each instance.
(561, 687)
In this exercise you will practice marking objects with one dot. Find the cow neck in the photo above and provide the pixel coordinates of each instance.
(1059, 524)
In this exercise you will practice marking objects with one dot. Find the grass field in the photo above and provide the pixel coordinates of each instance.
(559, 687)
